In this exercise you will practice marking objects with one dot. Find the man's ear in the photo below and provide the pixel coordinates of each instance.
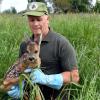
(48, 18)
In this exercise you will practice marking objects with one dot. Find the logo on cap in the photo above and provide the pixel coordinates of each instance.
(33, 6)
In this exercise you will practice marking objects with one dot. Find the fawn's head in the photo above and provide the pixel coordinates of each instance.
(31, 57)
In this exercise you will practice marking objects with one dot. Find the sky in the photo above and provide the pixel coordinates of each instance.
(93, 2)
(18, 4)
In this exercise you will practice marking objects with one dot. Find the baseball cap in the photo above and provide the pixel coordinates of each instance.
(36, 9)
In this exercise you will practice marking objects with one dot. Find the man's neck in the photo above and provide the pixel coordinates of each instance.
(43, 34)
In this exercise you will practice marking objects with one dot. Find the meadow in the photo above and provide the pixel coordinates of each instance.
(82, 30)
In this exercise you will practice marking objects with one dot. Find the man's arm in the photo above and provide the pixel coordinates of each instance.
(75, 75)
(68, 62)
(55, 81)
(70, 76)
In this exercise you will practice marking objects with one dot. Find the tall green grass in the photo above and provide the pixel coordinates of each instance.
(83, 31)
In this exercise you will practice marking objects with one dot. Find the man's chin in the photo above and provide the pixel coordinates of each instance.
(37, 32)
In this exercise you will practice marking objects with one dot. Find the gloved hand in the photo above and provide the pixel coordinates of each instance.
(28, 70)
(15, 91)
(54, 81)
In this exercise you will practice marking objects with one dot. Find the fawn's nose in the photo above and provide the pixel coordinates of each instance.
(31, 58)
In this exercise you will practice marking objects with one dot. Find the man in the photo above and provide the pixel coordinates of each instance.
(57, 56)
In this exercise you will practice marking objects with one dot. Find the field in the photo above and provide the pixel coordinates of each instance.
(83, 31)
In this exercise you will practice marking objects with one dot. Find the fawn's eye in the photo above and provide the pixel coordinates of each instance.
(36, 51)
(27, 51)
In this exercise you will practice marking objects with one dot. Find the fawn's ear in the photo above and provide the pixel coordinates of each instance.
(38, 39)
(26, 38)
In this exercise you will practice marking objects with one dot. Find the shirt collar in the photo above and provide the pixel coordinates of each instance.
(47, 38)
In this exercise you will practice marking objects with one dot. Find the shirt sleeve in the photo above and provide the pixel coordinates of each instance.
(67, 55)
(22, 49)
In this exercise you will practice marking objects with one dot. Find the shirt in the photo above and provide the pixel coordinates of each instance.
(57, 55)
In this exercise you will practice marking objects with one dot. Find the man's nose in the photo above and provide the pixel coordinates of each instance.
(35, 22)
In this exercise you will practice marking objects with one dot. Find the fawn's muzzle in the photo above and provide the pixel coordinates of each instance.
(31, 58)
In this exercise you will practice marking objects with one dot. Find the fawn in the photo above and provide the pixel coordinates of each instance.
(30, 58)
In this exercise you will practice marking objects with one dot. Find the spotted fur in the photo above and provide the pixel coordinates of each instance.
(30, 58)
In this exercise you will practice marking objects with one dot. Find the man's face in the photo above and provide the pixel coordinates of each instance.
(39, 24)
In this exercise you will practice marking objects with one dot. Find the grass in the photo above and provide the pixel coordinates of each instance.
(83, 31)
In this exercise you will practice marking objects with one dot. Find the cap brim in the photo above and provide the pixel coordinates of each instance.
(34, 13)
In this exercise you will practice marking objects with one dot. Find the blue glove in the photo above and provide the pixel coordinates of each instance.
(54, 81)
(28, 70)
(15, 91)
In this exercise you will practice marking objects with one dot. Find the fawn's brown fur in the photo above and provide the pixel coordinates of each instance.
(30, 58)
